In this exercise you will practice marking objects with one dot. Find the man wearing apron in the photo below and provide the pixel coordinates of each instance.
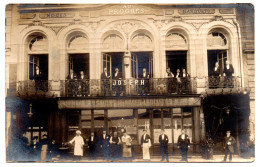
(146, 144)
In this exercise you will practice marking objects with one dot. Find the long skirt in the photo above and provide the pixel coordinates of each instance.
(44, 152)
(146, 151)
(127, 151)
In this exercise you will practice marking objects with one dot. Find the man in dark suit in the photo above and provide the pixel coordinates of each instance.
(72, 84)
(106, 82)
(92, 144)
(163, 139)
(83, 79)
(38, 78)
(144, 86)
(228, 73)
(105, 145)
(118, 85)
(229, 142)
(183, 144)
(35, 150)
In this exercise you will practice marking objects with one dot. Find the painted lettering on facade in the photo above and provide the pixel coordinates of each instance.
(130, 82)
(126, 9)
(196, 11)
(56, 15)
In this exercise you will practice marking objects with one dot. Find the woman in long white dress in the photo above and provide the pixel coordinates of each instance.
(127, 151)
(78, 146)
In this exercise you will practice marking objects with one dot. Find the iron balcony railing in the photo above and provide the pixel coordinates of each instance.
(110, 87)
(32, 87)
(126, 87)
(214, 82)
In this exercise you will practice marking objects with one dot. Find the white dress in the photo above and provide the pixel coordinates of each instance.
(78, 146)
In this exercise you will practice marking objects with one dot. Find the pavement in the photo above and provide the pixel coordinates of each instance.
(192, 159)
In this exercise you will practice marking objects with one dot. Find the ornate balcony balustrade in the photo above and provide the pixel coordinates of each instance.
(127, 87)
(31, 88)
(110, 87)
(214, 82)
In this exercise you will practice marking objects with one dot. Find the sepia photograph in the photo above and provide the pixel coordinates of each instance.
(115, 82)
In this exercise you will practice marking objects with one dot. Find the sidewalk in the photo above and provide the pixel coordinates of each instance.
(216, 158)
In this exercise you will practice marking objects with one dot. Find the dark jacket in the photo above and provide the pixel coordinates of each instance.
(144, 77)
(146, 140)
(92, 144)
(216, 73)
(164, 142)
(183, 143)
(229, 71)
(105, 142)
(119, 76)
(104, 76)
(229, 143)
(74, 76)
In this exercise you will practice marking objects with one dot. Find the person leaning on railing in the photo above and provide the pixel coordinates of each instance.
(144, 89)
(170, 81)
(214, 81)
(106, 82)
(118, 89)
(72, 89)
(228, 73)
(83, 86)
(185, 81)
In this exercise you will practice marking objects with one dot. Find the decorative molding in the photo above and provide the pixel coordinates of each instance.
(127, 26)
(56, 29)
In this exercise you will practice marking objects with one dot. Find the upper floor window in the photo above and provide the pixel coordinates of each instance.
(78, 42)
(216, 39)
(176, 41)
(38, 43)
(113, 42)
(141, 41)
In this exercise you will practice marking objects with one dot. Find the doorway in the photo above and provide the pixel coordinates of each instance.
(79, 62)
(176, 60)
(40, 60)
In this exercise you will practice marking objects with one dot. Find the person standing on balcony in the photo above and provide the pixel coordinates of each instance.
(83, 84)
(228, 73)
(146, 144)
(163, 140)
(183, 144)
(229, 142)
(106, 82)
(78, 145)
(178, 81)
(72, 85)
(184, 81)
(170, 81)
(214, 81)
(145, 88)
(38, 78)
(118, 85)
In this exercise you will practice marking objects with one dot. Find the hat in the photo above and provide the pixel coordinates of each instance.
(78, 132)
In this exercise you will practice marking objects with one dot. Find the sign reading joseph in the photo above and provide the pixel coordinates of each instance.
(119, 103)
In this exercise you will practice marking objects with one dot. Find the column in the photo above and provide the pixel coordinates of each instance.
(106, 120)
(63, 126)
(92, 121)
(196, 125)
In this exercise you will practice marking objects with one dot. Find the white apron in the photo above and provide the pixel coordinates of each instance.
(78, 146)
(146, 152)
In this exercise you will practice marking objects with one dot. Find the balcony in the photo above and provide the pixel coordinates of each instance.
(127, 87)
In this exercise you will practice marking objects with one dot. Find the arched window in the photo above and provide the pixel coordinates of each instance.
(78, 42)
(141, 41)
(113, 42)
(176, 41)
(216, 39)
(38, 43)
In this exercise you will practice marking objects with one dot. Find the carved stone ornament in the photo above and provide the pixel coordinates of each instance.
(56, 29)
(36, 23)
(127, 26)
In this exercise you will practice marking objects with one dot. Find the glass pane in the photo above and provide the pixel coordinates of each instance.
(143, 122)
(31, 71)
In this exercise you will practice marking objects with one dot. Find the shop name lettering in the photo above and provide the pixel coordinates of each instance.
(56, 15)
(131, 82)
(126, 9)
(197, 11)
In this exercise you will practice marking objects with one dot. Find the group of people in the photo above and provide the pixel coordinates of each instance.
(217, 72)
(178, 82)
(111, 146)
(78, 85)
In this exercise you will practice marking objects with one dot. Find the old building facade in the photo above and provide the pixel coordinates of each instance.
(130, 37)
